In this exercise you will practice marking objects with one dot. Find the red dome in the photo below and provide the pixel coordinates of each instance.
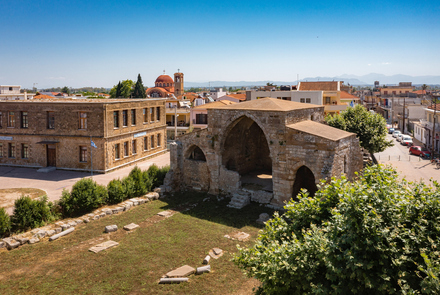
(164, 79)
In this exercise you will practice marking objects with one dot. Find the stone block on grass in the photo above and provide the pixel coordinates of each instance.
(65, 226)
(61, 234)
(181, 272)
(111, 228)
(33, 241)
(58, 230)
(131, 226)
(22, 241)
(11, 243)
(103, 246)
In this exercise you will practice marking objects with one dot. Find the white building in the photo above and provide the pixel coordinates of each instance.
(12, 92)
(216, 93)
(313, 97)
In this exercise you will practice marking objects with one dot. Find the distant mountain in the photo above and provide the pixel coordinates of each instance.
(348, 79)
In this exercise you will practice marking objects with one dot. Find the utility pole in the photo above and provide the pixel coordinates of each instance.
(175, 122)
(433, 126)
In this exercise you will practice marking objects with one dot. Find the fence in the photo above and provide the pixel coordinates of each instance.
(407, 158)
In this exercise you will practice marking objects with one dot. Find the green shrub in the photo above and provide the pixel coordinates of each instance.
(116, 191)
(139, 185)
(86, 196)
(128, 184)
(376, 235)
(157, 175)
(30, 213)
(5, 223)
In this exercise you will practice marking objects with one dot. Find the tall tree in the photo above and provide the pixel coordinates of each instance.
(65, 89)
(139, 89)
(370, 128)
(122, 90)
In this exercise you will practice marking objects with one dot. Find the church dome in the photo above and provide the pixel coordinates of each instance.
(164, 79)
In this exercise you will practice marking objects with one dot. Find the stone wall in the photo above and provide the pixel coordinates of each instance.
(67, 137)
(237, 141)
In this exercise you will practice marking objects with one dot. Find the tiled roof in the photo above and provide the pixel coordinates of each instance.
(323, 86)
(420, 92)
(270, 104)
(319, 129)
(435, 106)
(346, 95)
(216, 104)
(43, 96)
(241, 96)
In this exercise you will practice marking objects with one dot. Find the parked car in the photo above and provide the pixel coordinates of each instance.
(419, 151)
(399, 137)
(391, 130)
(406, 140)
(396, 133)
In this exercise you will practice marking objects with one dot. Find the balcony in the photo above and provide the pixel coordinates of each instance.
(429, 125)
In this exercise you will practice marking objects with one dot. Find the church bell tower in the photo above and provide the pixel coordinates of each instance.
(178, 84)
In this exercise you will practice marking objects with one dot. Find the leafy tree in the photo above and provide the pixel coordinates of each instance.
(377, 235)
(139, 89)
(269, 84)
(5, 223)
(65, 89)
(122, 90)
(370, 128)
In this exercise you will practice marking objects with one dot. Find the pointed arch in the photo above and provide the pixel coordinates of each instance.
(304, 178)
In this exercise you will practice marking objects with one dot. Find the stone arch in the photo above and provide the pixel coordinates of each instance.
(304, 178)
(235, 120)
(245, 150)
(194, 152)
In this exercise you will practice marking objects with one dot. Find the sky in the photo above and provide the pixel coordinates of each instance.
(80, 43)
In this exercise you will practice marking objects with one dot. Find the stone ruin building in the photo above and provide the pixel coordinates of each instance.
(264, 150)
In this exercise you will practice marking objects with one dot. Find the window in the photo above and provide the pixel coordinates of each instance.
(12, 150)
(385, 93)
(117, 151)
(1, 150)
(327, 100)
(11, 119)
(158, 140)
(116, 119)
(50, 120)
(308, 100)
(152, 141)
(133, 147)
(24, 120)
(133, 117)
(394, 92)
(83, 154)
(201, 119)
(124, 118)
(126, 149)
(1, 120)
(145, 143)
(302, 100)
(145, 113)
(24, 151)
(158, 113)
(82, 120)
(151, 114)
(10, 88)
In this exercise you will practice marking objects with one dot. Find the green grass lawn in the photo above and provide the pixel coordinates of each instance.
(65, 266)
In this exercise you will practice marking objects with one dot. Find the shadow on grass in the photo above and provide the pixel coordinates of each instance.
(210, 208)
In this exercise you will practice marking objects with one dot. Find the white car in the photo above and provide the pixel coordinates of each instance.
(406, 140)
(396, 133)
(399, 137)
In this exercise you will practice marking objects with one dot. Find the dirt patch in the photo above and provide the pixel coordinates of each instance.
(9, 195)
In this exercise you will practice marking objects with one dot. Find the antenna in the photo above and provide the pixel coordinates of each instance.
(164, 72)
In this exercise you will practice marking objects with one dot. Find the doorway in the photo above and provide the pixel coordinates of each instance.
(51, 155)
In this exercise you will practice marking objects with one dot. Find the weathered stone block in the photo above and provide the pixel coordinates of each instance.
(111, 228)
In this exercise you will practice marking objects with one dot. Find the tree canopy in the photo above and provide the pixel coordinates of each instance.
(139, 89)
(377, 235)
(370, 128)
(122, 89)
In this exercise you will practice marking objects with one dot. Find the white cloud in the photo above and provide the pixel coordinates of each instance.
(386, 63)
(369, 64)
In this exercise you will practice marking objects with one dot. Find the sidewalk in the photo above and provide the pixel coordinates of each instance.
(54, 182)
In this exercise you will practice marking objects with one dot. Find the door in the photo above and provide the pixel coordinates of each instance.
(51, 155)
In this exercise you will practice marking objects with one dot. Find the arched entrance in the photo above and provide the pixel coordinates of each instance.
(246, 151)
(195, 153)
(196, 171)
(304, 179)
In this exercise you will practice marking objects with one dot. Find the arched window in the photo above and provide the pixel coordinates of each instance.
(196, 154)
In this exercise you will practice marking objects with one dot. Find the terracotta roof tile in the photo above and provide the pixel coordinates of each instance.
(215, 104)
(319, 129)
(270, 104)
(316, 86)
(346, 95)
(241, 96)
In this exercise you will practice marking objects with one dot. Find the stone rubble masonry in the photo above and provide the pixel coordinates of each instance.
(289, 148)
(67, 138)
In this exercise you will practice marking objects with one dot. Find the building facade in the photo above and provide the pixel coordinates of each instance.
(13, 92)
(58, 133)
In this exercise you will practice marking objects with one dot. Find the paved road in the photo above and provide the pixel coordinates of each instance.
(54, 182)
(413, 168)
